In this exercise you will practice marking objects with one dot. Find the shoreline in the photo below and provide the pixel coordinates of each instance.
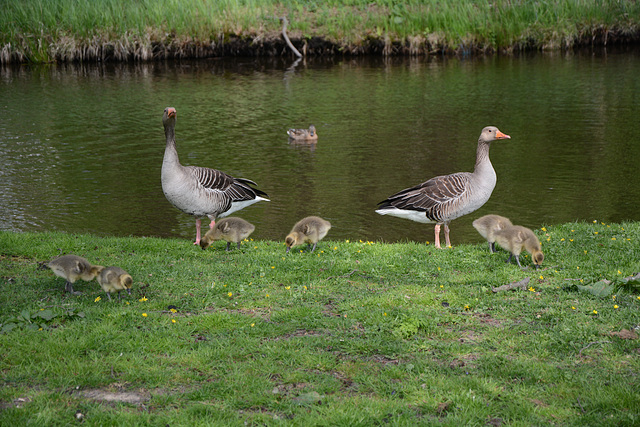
(273, 46)
(38, 31)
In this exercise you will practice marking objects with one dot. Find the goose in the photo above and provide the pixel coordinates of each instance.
(201, 191)
(230, 229)
(445, 198)
(308, 230)
(115, 279)
(488, 225)
(303, 134)
(72, 268)
(515, 239)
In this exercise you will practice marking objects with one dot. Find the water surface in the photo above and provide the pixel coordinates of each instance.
(81, 146)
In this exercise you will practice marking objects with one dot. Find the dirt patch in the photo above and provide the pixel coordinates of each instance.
(131, 397)
(18, 402)
(298, 333)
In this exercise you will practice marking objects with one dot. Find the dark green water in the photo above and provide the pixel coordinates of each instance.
(81, 146)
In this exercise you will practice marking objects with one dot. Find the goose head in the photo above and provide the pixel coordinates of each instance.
(169, 116)
(492, 133)
(312, 131)
(127, 282)
(537, 257)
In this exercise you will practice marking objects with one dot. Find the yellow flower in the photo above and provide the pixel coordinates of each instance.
(571, 240)
(267, 295)
(384, 314)
(578, 267)
(253, 324)
(173, 320)
(595, 312)
(532, 289)
(585, 252)
(613, 238)
(595, 221)
(541, 277)
(335, 248)
(543, 229)
(562, 240)
(173, 310)
(438, 268)
(288, 287)
(305, 287)
(143, 299)
(273, 266)
(466, 307)
(573, 308)
(615, 306)
(347, 241)
(144, 314)
(97, 299)
(230, 294)
(595, 232)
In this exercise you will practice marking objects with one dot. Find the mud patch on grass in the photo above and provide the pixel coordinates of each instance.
(298, 333)
(131, 397)
(18, 402)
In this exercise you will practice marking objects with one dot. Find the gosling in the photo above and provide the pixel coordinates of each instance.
(516, 238)
(230, 229)
(115, 279)
(72, 268)
(308, 230)
(488, 225)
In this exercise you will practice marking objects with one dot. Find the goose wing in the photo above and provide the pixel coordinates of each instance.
(232, 189)
(436, 197)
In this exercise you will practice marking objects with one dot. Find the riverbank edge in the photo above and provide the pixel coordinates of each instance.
(133, 48)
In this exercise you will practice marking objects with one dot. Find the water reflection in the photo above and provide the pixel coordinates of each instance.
(81, 145)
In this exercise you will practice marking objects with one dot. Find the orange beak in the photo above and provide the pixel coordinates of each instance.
(171, 112)
(500, 135)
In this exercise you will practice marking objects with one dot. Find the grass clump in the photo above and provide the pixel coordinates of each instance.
(357, 333)
(68, 30)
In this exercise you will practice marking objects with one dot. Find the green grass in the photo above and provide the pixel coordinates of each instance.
(67, 30)
(358, 333)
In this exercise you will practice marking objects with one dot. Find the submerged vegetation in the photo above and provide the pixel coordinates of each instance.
(356, 333)
(71, 30)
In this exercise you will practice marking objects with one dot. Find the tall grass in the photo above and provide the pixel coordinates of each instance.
(67, 30)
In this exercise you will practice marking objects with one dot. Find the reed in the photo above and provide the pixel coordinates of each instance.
(70, 30)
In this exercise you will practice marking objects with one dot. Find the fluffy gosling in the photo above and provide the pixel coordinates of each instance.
(115, 279)
(231, 230)
(515, 239)
(488, 225)
(72, 268)
(308, 230)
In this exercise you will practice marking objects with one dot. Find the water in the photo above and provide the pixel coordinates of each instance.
(81, 146)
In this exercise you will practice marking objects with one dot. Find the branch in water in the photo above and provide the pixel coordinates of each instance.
(285, 21)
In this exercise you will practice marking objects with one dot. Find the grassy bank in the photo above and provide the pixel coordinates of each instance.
(71, 30)
(358, 333)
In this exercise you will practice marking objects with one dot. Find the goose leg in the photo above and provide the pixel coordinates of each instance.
(69, 288)
(492, 247)
(509, 259)
(198, 223)
(314, 247)
(228, 246)
(437, 230)
(518, 261)
(446, 235)
(238, 245)
(109, 295)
